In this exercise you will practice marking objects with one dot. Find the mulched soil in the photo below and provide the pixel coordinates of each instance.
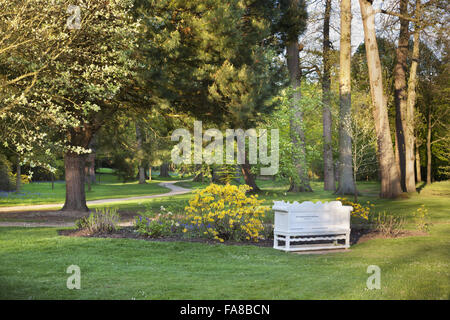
(356, 236)
(129, 233)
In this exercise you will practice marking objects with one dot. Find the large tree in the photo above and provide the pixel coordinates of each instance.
(31, 38)
(346, 182)
(404, 122)
(390, 176)
(328, 163)
(215, 61)
(79, 90)
(293, 24)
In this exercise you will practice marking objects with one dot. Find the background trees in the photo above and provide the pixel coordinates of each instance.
(292, 25)
(136, 70)
(78, 91)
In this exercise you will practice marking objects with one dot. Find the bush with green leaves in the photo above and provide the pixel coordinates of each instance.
(159, 225)
(103, 220)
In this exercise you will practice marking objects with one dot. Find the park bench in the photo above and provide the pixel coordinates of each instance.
(313, 226)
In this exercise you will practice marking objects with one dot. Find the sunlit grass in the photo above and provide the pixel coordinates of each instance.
(33, 261)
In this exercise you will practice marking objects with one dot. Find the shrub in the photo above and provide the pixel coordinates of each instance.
(389, 225)
(359, 211)
(24, 179)
(103, 220)
(164, 224)
(226, 213)
(422, 218)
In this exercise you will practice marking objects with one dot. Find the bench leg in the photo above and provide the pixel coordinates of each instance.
(288, 242)
(347, 239)
(275, 241)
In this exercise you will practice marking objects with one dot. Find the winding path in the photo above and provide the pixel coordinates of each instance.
(174, 190)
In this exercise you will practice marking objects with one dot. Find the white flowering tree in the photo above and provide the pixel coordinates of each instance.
(75, 91)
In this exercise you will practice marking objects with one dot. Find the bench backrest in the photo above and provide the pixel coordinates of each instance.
(311, 217)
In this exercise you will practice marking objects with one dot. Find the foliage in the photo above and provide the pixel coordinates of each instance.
(202, 57)
(162, 225)
(422, 219)
(388, 224)
(227, 213)
(79, 87)
(359, 211)
(281, 119)
(7, 182)
(364, 150)
(292, 20)
(225, 174)
(102, 220)
(24, 179)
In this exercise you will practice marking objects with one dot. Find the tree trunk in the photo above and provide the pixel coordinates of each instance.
(429, 147)
(140, 152)
(18, 175)
(75, 194)
(396, 152)
(249, 177)
(90, 169)
(404, 125)
(328, 164)
(346, 184)
(198, 177)
(296, 130)
(418, 169)
(150, 173)
(400, 90)
(142, 175)
(215, 178)
(411, 103)
(74, 164)
(164, 170)
(390, 177)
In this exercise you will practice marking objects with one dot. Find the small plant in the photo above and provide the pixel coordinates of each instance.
(103, 220)
(388, 225)
(422, 218)
(161, 225)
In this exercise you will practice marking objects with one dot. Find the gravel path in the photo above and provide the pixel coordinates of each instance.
(174, 190)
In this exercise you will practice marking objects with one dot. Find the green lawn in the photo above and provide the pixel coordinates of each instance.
(33, 262)
(109, 187)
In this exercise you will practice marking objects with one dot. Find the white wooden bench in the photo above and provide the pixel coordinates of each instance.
(323, 223)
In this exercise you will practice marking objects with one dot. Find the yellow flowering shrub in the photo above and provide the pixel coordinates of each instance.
(24, 179)
(227, 213)
(359, 211)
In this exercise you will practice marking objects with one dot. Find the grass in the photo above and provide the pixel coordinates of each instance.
(33, 261)
(109, 187)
